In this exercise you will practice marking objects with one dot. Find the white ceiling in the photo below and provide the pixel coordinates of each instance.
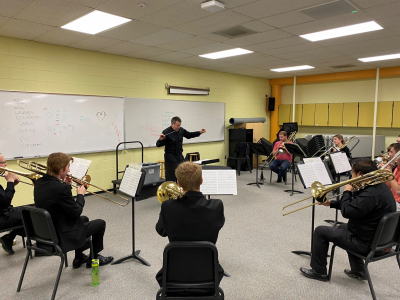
(177, 31)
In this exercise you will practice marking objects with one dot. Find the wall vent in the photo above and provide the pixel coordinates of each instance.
(235, 32)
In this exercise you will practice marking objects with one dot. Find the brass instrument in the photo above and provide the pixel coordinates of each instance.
(85, 181)
(392, 163)
(382, 158)
(319, 192)
(31, 176)
(168, 190)
(282, 149)
(326, 153)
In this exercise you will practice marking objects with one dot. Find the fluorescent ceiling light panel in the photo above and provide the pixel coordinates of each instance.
(226, 53)
(342, 31)
(305, 67)
(381, 57)
(95, 22)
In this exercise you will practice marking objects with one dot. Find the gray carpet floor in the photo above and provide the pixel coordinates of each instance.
(254, 248)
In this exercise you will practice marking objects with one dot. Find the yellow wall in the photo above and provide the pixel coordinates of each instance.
(342, 92)
(38, 67)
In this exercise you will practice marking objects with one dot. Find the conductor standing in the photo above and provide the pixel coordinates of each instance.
(172, 138)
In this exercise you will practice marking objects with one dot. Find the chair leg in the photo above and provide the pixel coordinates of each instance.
(238, 166)
(23, 270)
(398, 259)
(66, 260)
(331, 262)
(270, 177)
(91, 250)
(248, 164)
(23, 242)
(369, 281)
(58, 278)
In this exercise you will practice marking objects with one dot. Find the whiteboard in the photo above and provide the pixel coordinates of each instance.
(145, 119)
(34, 124)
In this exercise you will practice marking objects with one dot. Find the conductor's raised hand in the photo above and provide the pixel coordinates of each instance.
(80, 190)
(202, 131)
(161, 137)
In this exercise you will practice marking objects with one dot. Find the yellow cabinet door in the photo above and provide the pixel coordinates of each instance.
(366, 114)
(350, 114)
(321, 114)
(335, 114)
(298, 113)
(396, 114)
(308, 115)
(384, 114)
(284, 112)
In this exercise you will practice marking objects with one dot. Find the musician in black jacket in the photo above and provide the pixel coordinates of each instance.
(9, 216)
(172, 138)
(71, 227)
(191, 217)
(364, 209)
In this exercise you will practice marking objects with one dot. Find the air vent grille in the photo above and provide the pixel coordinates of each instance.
(235, 32)
(343, 66)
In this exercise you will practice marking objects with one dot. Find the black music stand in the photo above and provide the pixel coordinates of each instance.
(135, 253)
(296, 151)
(302, 252)
(259, 149)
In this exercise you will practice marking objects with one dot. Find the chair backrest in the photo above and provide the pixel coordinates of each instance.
(388, 232)
(39, 225)
(190, 265)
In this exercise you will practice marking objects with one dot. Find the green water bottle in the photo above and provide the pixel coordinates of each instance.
(95, 272)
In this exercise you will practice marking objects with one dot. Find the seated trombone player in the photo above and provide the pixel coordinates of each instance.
(364, 209)
(282, 161)
(71, 227)
(395, 183)
(191, 217)
(9, 216)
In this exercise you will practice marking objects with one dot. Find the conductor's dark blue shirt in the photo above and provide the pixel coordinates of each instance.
(173, 141)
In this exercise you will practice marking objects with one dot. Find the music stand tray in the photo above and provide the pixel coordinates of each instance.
(259, 149)
(296, 151)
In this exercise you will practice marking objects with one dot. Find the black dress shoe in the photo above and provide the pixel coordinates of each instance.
(77, 263)
(6, 242)
(310, 273)
(102, 261)
(358, 275)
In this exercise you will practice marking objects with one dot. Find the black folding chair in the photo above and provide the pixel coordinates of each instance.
(190, 266)
(238, 159)
(386, 236)
(39, 228)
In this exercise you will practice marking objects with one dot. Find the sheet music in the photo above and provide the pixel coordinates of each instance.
(314, 171)
(311, 159)
(340, 162)
(219, 182)
(130, 181)
(79, 167)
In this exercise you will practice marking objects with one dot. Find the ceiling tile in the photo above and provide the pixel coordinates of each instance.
(259, 38)
(123, 48)
(89, 3)
(291, 49)
(258, 26)
(378, 52)
(170, 56)
(9, 8)
(148, 52)
(384, 11)
(23, 29)
(187, 43)
(207, 49)
(59, 36)
(130, 9)
(389, 22)
(253, 59)
(214, 37)
(131, 30)
(368, 46)
(228, 3)
(371, 3)
(261, 8)
(214, 22)
(195, 61)
(161, 37)
(328, 23)
(95, 43)
(287, 19)
(291, 41)
(53, 12)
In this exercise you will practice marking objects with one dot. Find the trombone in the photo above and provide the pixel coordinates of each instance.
(319, 191)
(32, 176)
(282, 150)
(85, 181)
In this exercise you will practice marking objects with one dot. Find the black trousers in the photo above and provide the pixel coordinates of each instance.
(14, 219)
(96, 229)
(342, 238)
(171, 163)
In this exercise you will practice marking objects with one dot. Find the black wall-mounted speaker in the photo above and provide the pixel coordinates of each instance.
(271, 104)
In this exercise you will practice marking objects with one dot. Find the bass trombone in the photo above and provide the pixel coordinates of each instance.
(85, 181)
(32, 176)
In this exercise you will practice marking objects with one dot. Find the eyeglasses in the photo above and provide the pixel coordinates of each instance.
(2, 162)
